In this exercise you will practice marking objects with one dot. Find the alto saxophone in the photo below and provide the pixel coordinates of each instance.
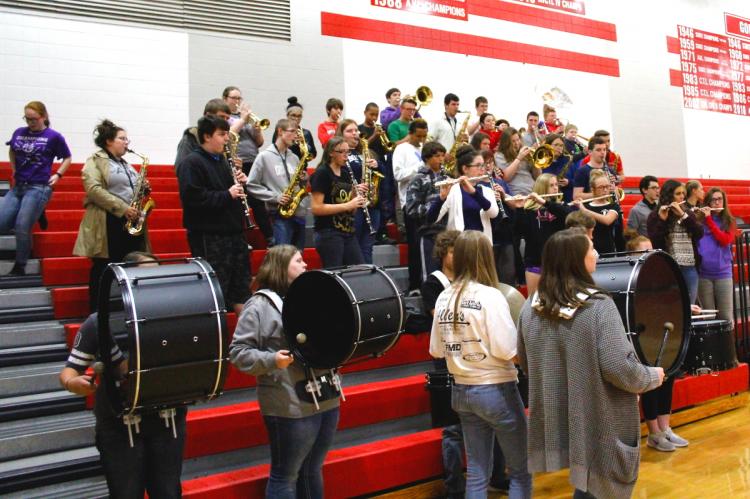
(370, 177)
(450, 166)
(294, 190)
(141, 202)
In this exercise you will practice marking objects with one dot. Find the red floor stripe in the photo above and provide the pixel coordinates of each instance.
(358, 28)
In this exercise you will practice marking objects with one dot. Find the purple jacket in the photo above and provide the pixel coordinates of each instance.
(716, 255)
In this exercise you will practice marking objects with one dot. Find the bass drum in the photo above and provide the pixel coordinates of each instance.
(174, 321)
(649, 291)
(332, 317)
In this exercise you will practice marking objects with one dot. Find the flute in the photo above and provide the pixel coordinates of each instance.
(524, 197)
(452, 181)
(591, 199)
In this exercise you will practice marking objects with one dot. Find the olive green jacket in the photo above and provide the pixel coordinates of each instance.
(92, 233)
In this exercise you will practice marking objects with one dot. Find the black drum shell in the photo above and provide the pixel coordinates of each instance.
(649, 290)
(177, 339)
(711, 347)
(343, 314)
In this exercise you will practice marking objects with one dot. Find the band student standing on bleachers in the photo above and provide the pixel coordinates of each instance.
(294, 113)
(244, 124)
(109, 182)
(189, 141)
(333, 203)
(583, 375)
(154, 462)
(638, 217)
(32, 150)
(327, 128)
(212, 212)
(474, 331)
(299, 433)
(272, 173)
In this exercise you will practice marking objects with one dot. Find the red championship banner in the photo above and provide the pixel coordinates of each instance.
(569, 6)
(714, 71)
(736, 25)
(452, 9)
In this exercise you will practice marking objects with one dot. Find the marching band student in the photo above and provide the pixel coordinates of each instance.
(563, 165)
(445, 130)
(597, 155)
(153, 463)
(539, 219)
(407, 160)
(551, 123)
(109, 182)
(474, 331)
(349, 130)
(399, 129)
(611, 159)
(715, 285)
(487, 120)
(677, 231)
(299, 434)
(368, 130)
(502, 225)
(512, 159)
(327, 128)
(212, 212)
(649, 187)
(333, 204)
(694, 195)
(569, 330)
(532, 135)
(604, 211)
(480, 107)
(392, 111)
(570, 137)
(251, 135)
(502, 125)
(480, 141)
(32, 150)
(582, 220)
(294, 112)
(271, 175)
(467, 206)
(420, 193)
(189, 141)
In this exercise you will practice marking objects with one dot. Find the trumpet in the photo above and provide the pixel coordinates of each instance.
(452, 181)
(387, 144)
(261, 123)
(611, 196)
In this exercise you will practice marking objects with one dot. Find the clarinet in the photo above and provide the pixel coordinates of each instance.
(500, 206)
(355, 185)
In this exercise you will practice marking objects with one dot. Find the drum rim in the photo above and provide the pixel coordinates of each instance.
(217, 313)
(128, 301)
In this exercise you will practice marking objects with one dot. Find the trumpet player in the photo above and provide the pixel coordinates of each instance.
(563, 165)
(212, 211)
(532, 135)
(273, 170)
(597, 161)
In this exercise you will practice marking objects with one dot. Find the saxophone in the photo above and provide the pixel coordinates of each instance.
(450, 166)
(370, 177)
(295, 192)
(141, 202)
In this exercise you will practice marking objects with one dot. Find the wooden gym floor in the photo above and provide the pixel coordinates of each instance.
(716, 464)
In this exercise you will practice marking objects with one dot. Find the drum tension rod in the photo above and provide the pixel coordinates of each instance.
(135, 280)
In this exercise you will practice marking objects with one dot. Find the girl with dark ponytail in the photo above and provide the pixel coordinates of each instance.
(294, 114)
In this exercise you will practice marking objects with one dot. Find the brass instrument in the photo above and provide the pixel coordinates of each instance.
(387, 144)
(565, 169)
(230, 152)
(450, 165)
(423, 96)
(543, 156)
(370, 177)
(141, 202)
(295, 190)
(261, 123)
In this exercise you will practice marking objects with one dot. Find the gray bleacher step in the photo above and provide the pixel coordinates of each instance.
(28, 379)
(26, 314)
(8, 242)
(32, 267)
(54, 475)
(19, 282)
(386, 255)
(33, 354)
(91, 488)
(23, 298)
(44, 434)
(31, 333)
(40, 404)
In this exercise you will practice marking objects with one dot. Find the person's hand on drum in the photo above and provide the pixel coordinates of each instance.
(283, 359)
(81, 385)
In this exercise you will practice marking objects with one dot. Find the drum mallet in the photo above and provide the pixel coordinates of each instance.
(668, 328)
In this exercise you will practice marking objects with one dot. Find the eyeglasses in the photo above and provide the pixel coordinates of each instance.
(411, 109)
(295, 115)
(341, 151)
(716, 200)
(124, 139)
(291, 130)
(234, 97)
(30, 120)
(477, 165)
(653, 188)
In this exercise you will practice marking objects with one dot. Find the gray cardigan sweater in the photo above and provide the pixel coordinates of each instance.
(257, 338)
(583, 411)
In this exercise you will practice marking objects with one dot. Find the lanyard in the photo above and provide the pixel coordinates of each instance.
(453, 123)
(283, 159)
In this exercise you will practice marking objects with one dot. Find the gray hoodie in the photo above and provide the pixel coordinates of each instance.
(267, 179)
(257, 338)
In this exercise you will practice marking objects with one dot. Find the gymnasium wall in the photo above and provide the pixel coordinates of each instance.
(612, 62)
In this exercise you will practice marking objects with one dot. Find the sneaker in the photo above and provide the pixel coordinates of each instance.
(659, 442)
(676, 440)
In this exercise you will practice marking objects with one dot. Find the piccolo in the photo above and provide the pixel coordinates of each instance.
(591, 199)
(452, 181)
(527, 196)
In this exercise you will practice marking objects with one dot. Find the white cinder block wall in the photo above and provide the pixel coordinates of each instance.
(155, 82)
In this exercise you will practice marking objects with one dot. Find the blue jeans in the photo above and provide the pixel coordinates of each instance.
(362, 231)
(453, 464)
(690, 273)
(298, 449)
(288, 231)
(19, 210)
(337, 248)
(487, 410)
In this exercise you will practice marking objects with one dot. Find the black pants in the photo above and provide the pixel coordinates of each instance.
(414, 256)
(259, 209)
(228, 255)
(153, 464)
(337, 248)
(658, 402)
(119, 244)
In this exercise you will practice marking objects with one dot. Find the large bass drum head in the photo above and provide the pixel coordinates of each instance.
(319, 307)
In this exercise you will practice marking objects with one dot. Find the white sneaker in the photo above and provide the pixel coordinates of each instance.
(659, 442)
(676, 440)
